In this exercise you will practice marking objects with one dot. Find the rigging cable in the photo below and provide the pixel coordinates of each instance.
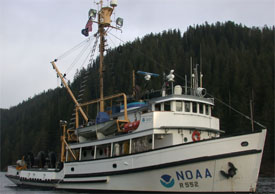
(78, 57)
(91, 53)
(227, 105)
(72, 49)
(116, 37)
(112, 41)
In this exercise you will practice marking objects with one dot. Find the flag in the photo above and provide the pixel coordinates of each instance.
(89, 25)
(85, 32)
(88, 28)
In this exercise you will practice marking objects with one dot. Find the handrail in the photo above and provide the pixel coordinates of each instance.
(69, 149)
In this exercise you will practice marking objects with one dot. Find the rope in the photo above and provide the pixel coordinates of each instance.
(112, 41)
(242, 114)
(78, 57)
(116, 37)
(91, 53)
(72, 49)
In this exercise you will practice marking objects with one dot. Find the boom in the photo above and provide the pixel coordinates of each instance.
(69, 90)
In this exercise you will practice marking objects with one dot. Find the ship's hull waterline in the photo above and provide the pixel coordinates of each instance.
(202, 166)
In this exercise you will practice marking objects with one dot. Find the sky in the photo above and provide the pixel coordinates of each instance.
(35, 32)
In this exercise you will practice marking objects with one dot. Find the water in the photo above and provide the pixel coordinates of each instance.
(265, 186)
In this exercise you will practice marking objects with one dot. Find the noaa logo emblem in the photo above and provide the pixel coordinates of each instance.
(167, 181)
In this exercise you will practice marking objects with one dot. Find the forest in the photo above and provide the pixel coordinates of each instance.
(237, 63)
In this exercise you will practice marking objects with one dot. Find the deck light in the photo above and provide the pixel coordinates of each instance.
(113, 3)
(92, 13)
(119, 22)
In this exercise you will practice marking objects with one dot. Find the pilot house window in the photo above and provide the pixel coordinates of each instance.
(167, 106)
(157, 107)
(201, 108)
(194, 107)
(187, 107)
(121, 148)
(207, 109)
(179, 106)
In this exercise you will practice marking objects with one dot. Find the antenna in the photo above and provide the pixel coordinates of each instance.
(134, 84)
(252, 110)
(148, 75)
(163, 93)
(201, 75)
(185, 84)
(170, 78)
(191, 86)
(195, 76)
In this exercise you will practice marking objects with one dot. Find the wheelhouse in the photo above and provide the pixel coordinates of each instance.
(183, 104)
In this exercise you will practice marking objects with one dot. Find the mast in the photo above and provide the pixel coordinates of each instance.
(104, 20)
(191, 76)
(134, 84)
(201, 75)
(101, 57)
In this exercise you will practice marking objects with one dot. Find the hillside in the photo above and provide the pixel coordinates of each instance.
(238, 65)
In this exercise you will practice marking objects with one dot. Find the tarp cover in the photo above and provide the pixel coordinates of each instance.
(102, 117)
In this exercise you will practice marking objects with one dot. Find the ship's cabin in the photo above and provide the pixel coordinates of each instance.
(165, 121)
(183, 104)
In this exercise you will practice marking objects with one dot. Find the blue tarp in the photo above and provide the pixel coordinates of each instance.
(102, 117)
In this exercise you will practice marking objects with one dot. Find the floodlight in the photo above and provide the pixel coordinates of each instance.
(119, 22)
(92, 13)
(113, 3)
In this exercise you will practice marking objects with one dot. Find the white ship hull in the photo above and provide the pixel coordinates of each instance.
(193, 167)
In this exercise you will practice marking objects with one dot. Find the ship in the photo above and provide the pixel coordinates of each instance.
(168, 142)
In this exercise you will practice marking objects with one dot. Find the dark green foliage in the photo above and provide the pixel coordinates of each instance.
(236, 61)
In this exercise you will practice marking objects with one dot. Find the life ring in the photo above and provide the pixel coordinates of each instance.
(196, 136)
(131, 126)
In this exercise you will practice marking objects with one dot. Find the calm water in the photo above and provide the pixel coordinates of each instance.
(265, 186)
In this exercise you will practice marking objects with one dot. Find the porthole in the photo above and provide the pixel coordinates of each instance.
(244, 144)
(72, 169)
(185, 139)
(114, 165)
